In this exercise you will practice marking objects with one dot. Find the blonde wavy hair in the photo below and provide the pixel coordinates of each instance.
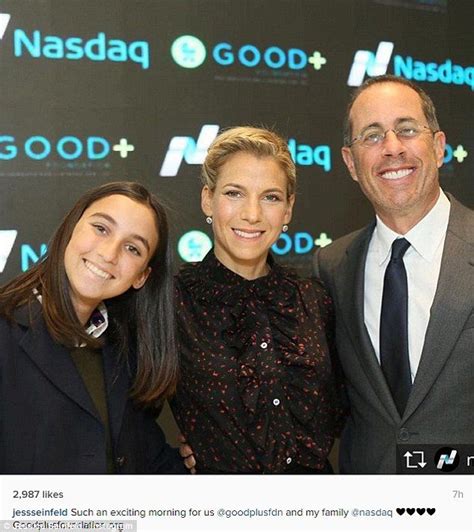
(257, 141)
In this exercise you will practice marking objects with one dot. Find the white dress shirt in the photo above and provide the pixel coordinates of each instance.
(422, 263)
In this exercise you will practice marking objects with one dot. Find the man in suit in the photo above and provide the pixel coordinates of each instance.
(409, 381)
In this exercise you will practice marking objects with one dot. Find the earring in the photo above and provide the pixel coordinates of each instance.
(209, 220)
(284, 228)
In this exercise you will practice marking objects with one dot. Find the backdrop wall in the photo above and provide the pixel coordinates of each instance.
(97, 91)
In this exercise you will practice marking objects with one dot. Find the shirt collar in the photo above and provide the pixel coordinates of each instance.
(213, 269)
(424, 237)
(98, 322)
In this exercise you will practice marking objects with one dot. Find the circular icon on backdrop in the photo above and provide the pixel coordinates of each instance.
(188, 51)
(446, 459)
(194, 246)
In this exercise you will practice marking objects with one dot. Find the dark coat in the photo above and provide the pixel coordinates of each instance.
(48, 422)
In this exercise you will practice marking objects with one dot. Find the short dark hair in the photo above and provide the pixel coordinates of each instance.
(141, 321)
(427, 104)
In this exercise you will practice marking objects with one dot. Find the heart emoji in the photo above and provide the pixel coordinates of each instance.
(410, 511)
(400, 511)
(420, 511)
(431, 511)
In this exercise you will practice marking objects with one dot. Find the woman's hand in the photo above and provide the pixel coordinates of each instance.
(187, 453)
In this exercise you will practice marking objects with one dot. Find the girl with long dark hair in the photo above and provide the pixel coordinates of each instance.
(87, 346)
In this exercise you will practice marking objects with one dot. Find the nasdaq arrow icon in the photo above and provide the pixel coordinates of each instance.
(4, 20)
(7, 239)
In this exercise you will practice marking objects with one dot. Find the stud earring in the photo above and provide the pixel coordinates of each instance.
(284, 228)
(209, 220)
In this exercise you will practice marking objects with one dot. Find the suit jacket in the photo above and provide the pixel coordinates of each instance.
(440, 409)
(48, 422)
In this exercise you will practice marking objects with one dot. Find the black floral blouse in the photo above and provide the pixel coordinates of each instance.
(258, 390)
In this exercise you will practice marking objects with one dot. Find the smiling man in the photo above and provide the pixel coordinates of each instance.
(403, 286)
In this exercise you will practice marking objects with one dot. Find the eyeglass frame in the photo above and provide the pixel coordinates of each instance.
(401, 139)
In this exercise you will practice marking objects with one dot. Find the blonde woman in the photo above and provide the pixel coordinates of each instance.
(258, 390)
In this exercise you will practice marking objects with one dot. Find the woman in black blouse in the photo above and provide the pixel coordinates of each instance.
(258, 392)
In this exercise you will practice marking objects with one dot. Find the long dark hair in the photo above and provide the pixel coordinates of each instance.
(141, 321)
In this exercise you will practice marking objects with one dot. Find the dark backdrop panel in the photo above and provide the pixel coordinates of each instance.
(149, 98)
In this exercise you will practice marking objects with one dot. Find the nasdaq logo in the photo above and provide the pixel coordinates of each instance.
(376, 64)
(446, 459)
(4, 20)
(193, 152)
(99, 48)
(7, 239)
(300, 243)
(446, 72)
(193, 246)
(30, 255)
(370, 63)
(306, 155)
(188, 51)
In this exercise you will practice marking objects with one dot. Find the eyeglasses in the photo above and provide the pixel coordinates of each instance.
(374, 136)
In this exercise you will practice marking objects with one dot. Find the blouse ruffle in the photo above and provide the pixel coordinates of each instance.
(305, 374)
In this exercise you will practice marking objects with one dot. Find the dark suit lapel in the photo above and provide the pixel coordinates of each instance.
(117, 384)
(54, 360)
(451, 306)
(349, 279)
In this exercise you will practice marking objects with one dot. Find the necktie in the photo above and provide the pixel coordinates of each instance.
(394, 327)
